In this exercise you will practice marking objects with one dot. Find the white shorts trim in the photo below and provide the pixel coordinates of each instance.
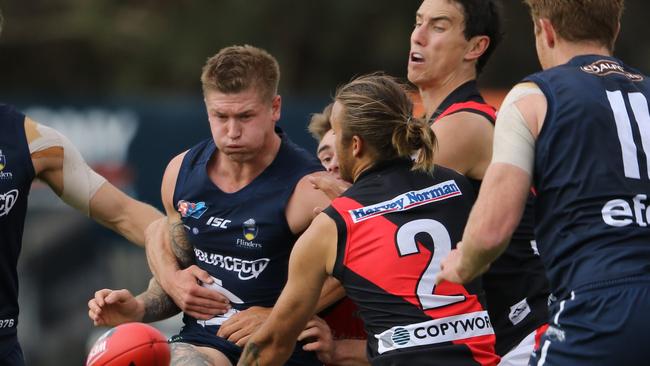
(520, 354)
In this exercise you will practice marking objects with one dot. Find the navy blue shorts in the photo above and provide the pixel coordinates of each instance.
(198, 335)
(10, 352)
(604, 324)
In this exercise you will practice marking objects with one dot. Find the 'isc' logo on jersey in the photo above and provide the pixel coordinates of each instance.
(218, 222)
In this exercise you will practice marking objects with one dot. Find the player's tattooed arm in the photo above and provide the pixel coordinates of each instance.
(181, 245)
(157, 304)
(250, 356)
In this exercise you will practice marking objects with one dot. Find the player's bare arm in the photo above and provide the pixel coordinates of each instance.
(171, 258)
(302, 203)
(300, 208)
(114, 307)
(507, 181)
(157, 305)
(60, 165)
(311, 260)
(464, 143)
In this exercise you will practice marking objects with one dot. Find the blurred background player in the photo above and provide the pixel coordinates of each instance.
(29, 151)
(450, 44)
(580, 131)
(235, 204)
(382, 239)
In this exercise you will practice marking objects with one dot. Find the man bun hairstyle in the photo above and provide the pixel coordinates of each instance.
(377, 109)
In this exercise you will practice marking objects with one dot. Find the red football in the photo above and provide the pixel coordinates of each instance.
(130, 344)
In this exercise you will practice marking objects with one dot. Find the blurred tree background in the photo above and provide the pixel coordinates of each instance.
(158, 46)
(138, 62)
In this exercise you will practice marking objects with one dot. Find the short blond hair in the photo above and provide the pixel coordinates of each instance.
(236, 69)
(581, 20)
(320, 123)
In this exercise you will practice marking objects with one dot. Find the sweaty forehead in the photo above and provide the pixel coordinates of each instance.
(327, 142)
(233, 102)
(441, 9)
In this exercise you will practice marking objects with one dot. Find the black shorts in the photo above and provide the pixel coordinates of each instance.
(198, 335)
(605, 324)
(10, 352)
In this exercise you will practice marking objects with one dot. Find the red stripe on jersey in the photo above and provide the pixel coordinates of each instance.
(373, 243)
(538, 335)
(482, 349)
(371, 252)
(481, 107)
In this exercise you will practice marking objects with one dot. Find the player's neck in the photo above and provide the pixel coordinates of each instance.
(568, 50)
(434, 93)
(231, 174)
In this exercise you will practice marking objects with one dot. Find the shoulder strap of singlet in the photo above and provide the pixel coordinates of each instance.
(483, 109)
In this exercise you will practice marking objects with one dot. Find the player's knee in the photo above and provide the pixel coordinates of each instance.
(184, 354)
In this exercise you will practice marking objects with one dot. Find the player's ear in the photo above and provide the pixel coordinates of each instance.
(549, 36)
(357, 146)
(276, 106)
(477, 47)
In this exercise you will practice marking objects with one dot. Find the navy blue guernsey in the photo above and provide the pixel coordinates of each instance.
(16, 176)
(242, 239)
(592, 173)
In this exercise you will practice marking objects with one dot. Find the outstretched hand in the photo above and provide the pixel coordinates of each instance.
(114, 307)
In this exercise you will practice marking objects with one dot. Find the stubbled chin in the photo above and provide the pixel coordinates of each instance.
(415, 74)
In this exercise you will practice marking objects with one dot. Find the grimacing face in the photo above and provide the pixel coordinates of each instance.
(241, 123)
(438, 44)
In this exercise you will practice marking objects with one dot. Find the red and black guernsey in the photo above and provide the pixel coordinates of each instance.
(516, 287)
(394, 227)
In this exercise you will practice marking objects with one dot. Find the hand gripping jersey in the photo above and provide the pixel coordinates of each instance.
(515, 286)
(242, 239)
(16, 176)
(592, 173)
(394, 228)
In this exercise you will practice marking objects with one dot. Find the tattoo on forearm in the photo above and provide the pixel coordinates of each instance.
(157, 304)
(250, 356)
(181, 246)
(184, 354)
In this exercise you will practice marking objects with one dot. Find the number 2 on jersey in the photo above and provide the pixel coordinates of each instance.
(407, 245)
